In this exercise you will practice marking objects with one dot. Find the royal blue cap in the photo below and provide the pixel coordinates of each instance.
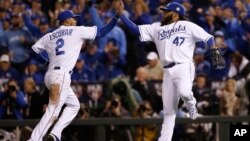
(176, 7)
(66, 15)
(44, 21)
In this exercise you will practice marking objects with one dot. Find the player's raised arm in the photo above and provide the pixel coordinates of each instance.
(131, 26)
(102, 31)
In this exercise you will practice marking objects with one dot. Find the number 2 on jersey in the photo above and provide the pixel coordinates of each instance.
(59, 45)
(178, 41)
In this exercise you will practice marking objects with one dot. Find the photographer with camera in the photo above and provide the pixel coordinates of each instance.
(12, 101)
(145, 132)
(114, 108)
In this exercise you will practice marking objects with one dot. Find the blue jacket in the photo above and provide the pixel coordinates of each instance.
(35, 31)
(10, 73)
(84, 75)
(19, 48)
(16, 105)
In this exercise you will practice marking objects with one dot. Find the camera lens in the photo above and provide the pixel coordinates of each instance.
(114, 104)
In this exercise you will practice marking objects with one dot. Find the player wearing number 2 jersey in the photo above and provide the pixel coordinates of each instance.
(175, 40)
(63, 46)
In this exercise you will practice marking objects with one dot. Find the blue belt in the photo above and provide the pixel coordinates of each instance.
(171, 65)
(58, 68)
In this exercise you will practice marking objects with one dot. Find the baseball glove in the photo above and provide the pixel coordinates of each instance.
(217, 60)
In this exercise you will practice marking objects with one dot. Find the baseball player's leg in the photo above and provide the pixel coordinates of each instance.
(48, 118)
(54, 82)
(184, 83)
(170, 105)
(69, 113)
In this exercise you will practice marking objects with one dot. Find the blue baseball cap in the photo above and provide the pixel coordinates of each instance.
(66, 15)
(176, 7)
(44, 21)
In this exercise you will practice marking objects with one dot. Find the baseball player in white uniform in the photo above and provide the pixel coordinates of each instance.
(175, 40)
(63, 46)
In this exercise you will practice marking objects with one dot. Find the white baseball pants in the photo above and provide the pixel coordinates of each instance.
(67, 97)
(177, 82)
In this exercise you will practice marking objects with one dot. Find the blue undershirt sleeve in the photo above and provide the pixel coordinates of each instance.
(210, 42)
(102, 31)
(132, 27)
(41, 58)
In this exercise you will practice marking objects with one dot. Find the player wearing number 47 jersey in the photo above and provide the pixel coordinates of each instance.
(175, 40)
(63, 46)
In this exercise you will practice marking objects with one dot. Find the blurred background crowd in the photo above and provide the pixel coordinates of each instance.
(119, 76)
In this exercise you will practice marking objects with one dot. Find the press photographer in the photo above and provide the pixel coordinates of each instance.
(115, 109)
(145, 132)
(12, 101)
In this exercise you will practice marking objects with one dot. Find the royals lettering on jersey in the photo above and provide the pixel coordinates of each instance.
(162, 34)
(174, 42)
(65, 32)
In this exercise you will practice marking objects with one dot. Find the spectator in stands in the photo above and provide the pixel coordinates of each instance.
(36, 7)
(154, 67)
(6, 23)
(32, 19)
(3, 13)
(6, 71)
(37, 30)
(82, 73)
(13, 101)
(233, 30)
(202, 66)
(32, 70)
(129, 97)
(115, 108)
(141, 13)
(7, 4)
(229, 102)
(114, 63)
(93, 59)
(5, 27)
(145, 132)
(240, 66)
(18, 41)
(208, 22)
(146, 89)
(207, 101)
(35, 100)
(242, 93)
(93, 99)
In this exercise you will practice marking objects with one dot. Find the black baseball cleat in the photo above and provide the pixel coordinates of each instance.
(52, 137)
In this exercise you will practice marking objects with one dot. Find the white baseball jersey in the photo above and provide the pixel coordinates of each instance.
(64, 44)
(63, 47)
(174, 42)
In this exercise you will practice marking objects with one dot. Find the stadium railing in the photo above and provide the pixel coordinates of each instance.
(222, 123)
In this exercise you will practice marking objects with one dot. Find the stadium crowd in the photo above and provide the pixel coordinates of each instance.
(117, 75)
